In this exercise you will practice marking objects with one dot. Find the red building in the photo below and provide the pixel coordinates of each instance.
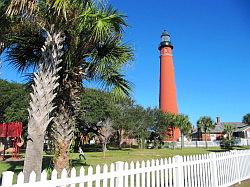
(167, 98)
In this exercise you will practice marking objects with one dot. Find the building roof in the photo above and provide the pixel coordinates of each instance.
(238, 127)
(242, 128)
(219, 127)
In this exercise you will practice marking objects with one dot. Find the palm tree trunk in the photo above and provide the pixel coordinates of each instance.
(120, 138)
(182, 140)
(104, 148)
(63, 129)
(41, 104)
(33, 156)
(64, 123)
(206, 139)
(173, 137)
(62, 156)
(142, 143)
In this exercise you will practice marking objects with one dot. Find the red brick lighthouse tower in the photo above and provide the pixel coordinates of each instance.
(167, 99)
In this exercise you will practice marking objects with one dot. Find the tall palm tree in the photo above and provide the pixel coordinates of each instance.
(205, 123)
(184, 125)
(93, 50)
(45, 79)
(41, 104)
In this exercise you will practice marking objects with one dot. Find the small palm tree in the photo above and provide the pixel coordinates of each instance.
(205, 123)
(184, 125)
(229, 129)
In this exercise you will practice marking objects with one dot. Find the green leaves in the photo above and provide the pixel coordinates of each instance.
(96, 106)
(106, 21)
(228, 128)
(183, 123)
(205, 123)
(93, 42)
(61, 6)
(246, 119)
(13, 102)
(24, 47)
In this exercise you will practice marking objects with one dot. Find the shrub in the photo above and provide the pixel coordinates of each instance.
(226, 143)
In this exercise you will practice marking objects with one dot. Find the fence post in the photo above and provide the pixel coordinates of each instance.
(119, 169)
(213, 169)
(237, 157)
(7, 178)
(178, 175)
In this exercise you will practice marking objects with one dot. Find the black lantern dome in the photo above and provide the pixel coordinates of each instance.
(165, 40)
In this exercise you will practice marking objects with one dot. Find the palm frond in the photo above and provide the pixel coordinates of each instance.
(115, 82)
(24, 48)
(22, 7)
(29, 80)
(61, 6)
(101, 21)
(111, 52)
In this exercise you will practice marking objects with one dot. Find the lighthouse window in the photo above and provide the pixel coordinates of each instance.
(165, 38)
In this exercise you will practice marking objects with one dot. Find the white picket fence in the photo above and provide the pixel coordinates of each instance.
(199, 144)
(214, 169)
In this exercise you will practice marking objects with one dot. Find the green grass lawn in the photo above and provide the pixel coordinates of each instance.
(245, 183)
(94, 158)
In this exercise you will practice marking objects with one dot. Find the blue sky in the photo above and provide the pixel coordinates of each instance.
(211, 41)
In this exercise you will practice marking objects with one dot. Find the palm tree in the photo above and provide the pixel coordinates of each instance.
(99, 41)
(184, 125)
(205, 123)
(93, 50)
(45, 82)
(41, 104)
(229, 129)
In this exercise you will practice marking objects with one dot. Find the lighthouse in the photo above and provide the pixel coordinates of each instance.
(167, 96)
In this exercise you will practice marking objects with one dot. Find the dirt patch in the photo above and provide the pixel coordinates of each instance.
(245, 183)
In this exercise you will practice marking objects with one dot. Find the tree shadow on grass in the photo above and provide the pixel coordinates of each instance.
(47, 162)
(218, 151)
(92, 148)
(16, 165)
(240, 148)
(78, 163)
(229, 149)
(120, 149)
